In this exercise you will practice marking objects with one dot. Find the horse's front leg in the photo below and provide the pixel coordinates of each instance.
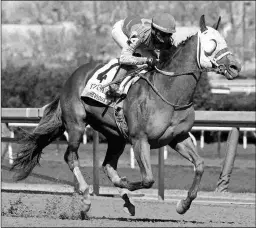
(114, 151)
(189, 151)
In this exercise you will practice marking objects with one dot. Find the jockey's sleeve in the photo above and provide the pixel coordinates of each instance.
(127, 52)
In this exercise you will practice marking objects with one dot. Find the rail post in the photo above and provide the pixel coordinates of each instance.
(10, 149)
(161, 174)
(245, 140)
(219, 142)
(223, 182)
(95, 163)
(202, 139)
(132, 158)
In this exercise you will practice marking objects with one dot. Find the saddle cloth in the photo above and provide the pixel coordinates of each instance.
(94, 90)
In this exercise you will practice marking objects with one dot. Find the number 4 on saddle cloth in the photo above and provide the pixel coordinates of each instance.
(97, 87)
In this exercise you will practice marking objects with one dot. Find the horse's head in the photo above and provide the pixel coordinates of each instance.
(213, 51)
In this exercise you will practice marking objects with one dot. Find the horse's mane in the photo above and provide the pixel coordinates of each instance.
(183, 42)
(167, 55)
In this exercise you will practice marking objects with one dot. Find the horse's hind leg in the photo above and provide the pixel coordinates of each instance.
(114, 151)
(75, 127)
(188, 150)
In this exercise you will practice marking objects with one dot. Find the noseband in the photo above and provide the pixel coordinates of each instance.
(220, 68)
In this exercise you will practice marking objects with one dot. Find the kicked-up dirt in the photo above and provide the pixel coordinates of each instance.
(46, 210)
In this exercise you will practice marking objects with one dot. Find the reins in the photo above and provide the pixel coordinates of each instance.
(160, 95)
(172, 74)
(165, 73)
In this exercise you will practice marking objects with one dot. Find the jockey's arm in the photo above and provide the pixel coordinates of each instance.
(128, 50)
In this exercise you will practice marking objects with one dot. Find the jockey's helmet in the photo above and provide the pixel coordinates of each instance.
(163, 26)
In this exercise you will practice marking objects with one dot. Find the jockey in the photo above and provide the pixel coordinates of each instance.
(141, 40)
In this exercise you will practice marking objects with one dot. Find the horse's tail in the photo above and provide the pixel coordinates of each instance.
(49, 128)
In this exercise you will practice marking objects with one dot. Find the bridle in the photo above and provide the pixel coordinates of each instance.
(218, 68)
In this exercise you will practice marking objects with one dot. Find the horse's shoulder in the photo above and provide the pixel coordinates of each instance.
(140, 90)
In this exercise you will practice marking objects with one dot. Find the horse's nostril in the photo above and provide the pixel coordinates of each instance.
(234, 67)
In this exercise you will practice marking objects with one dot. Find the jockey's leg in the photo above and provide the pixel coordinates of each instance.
(122, 41)
(121, 73)
(117, 34)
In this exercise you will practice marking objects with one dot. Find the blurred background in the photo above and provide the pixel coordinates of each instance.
(43, 42)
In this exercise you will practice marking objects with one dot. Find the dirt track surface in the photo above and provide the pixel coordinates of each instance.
(45, 210)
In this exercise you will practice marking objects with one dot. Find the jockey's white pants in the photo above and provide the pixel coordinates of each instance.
(117, 34)
(121, 39)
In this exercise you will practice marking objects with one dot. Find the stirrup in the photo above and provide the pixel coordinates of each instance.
(113, 87)
(114, 91)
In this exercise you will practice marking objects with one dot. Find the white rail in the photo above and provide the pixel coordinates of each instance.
(132, 158)
(203, 129)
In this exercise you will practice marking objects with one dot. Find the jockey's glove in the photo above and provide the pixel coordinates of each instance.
(152, 62)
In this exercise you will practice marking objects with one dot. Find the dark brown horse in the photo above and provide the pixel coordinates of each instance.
(158, 110)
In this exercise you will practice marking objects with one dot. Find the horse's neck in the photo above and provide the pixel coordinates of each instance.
(180, 90)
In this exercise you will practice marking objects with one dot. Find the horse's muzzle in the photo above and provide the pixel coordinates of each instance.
(233, 68)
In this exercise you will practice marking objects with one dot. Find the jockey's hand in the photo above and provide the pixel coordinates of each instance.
(152, 62)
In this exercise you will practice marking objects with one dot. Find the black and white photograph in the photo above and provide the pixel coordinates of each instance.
(128, 114)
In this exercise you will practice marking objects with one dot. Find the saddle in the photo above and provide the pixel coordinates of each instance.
(98, 89)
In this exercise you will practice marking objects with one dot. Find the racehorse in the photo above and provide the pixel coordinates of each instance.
(158, 110)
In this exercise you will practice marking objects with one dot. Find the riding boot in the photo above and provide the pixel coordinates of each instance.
(121, 73)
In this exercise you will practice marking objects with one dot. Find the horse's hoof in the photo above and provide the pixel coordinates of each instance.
(86, 205)
(180, 207)
(124, 179)
(84, 215)
(128, 207)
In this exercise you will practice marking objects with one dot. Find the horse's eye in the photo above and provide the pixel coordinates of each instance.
(210, 47)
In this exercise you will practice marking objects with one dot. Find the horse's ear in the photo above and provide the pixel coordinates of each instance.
(202, 24)
(216, 25)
